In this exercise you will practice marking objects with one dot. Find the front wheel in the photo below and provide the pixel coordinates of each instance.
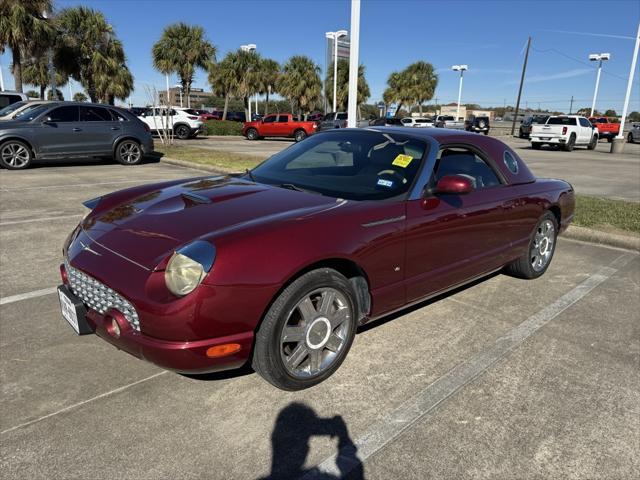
(128, 152)
(630, 138)
(252, 134)
(568, 147)
(15, 155)
(300, 135)
(540, 250)
(307, 332)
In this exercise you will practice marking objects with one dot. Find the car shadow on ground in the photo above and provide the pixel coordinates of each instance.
(295, 425)
(83, 162)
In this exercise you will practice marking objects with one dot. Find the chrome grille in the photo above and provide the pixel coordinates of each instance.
(97, 296)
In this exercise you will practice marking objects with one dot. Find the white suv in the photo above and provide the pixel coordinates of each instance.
(183, 123)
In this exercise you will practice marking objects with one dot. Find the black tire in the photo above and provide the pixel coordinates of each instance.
(15, 155)
(299, 135)
(182, 132)
(268, 357)
(523, 267)
(593, 143)
(610, 139)
(630, 138)
(536, 145)
(128, 152)
(252, 134)
(568, 147)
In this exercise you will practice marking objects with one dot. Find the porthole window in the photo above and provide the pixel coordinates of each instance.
(511, 162)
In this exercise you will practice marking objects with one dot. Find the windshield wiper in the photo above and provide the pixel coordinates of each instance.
(291, 186)
(248, 172)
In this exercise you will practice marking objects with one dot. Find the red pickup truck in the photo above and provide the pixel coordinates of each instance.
(606, 128)
(279, 125)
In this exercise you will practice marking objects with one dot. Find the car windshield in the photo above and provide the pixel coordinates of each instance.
(11, 108)
(29, 114)
(354, 165)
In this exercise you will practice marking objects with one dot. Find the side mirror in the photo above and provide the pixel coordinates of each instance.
(453, 185)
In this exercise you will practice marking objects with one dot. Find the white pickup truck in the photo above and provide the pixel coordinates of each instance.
(447, 121)
(566, 131)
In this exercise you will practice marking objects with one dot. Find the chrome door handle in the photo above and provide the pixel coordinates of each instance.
(76, 129)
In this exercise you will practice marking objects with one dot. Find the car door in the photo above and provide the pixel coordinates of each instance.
(283, 127)
(452, 238)
(98, 129)
(586, 130)
(268, 126)
(59, 130)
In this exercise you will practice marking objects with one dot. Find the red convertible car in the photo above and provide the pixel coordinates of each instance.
(280, 265)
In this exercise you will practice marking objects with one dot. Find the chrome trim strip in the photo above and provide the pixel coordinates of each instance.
(384, 221)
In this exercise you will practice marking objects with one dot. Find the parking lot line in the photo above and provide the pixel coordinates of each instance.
(84, 402)
(43, 219)
(428, 400)
(72, 185)
(28, 295)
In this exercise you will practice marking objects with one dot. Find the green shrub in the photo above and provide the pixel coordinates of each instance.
(219, 127)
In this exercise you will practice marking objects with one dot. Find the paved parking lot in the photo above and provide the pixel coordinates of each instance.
(503, 379)
(597, 173)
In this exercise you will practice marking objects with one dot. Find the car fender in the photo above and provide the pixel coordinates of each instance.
(22, 138)
(124, 136)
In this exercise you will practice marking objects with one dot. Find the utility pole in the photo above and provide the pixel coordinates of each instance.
(524, 70)
(571, 105)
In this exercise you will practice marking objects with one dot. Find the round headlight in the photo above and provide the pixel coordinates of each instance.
(183, 274)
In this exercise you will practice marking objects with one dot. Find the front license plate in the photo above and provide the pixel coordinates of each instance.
(73, 311)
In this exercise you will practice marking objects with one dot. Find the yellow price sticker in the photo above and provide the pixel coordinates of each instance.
(402, 161)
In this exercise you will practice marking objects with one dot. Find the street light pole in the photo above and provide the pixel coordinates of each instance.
(335, 36)
(625, 107)
(250, 47)
(352, 107)
(461, 69)
(597, 57)
(52, 72)
(1, 79)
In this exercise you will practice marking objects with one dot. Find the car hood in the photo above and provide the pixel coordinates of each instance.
(149, 227)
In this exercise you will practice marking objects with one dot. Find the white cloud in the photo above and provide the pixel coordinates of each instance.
(553, 76)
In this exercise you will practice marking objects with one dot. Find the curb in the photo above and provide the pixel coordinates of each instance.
(602, 238)
(574, 232)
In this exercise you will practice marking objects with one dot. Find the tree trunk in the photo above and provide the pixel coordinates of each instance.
(111, 100)
(43, 91)
(420, 106)
(266, 104)
(246, 109)
(226, 106)
(189, 95)
(91, 90)
(17, 68)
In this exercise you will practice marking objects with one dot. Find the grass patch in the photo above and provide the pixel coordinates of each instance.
(607, 215)
(224, 161)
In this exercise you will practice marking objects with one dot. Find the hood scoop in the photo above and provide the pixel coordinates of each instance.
(192, 199)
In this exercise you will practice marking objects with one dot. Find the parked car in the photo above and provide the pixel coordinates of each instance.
(315, 117)
(278, 267)
(634, 133)
(386, 122)
(7, 98)
(606, 127)
(236, 117)
(417, 122)
(279, 125)
(19, 108)
(202, 115)
(447, 121)
(527, 123)
(478, 124)
(73, 130)
(137, 111)
(334, 120)
(565, 131)
(184, 124)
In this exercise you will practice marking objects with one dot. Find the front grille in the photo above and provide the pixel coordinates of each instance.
(97, 296)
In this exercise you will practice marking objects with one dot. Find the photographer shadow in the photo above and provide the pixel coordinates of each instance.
(294, 427)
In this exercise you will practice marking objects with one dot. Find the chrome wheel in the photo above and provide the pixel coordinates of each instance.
(543, 245)
(315, 332)
(129, 152)
(15, 155)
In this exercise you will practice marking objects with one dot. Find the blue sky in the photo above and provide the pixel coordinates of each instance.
(489, 36)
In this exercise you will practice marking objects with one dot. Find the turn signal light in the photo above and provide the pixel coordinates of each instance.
(223, 350)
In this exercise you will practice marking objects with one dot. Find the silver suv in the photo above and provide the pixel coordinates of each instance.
(64, 130)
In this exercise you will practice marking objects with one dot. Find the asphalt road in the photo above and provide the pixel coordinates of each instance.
(597, 173)
(504, 379)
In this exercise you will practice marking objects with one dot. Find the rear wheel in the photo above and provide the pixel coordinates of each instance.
(15, 155)
(299, 135)
(252, 134)
(536, 145)
(593, 143)
(307, 332)
(128, 152)
(540, 251)
(182, 132)
(568, 147)
(609, 139)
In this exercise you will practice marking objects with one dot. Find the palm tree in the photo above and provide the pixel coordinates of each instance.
(35, 71)
(90, 53)
(23, 28)
(268, 78)
(420, 81)
(300, 83)
(342, 96)
(223, 80)
(396, 90)
(181, 49)
(79, 97)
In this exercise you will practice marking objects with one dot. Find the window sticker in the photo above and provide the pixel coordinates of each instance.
(385, 183)
(402, 161)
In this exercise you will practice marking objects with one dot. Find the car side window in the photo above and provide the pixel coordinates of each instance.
(466, 163)
(95, 114)
(585, 123)
(341, 116)
(283, 118)
(64, 114)
(269, 119)
(117, 116)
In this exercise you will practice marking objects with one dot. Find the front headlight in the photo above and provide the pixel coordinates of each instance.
(188, 266)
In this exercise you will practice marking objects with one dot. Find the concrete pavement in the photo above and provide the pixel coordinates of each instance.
(502, 379)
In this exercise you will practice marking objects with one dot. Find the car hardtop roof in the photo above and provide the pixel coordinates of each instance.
(437, 134)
